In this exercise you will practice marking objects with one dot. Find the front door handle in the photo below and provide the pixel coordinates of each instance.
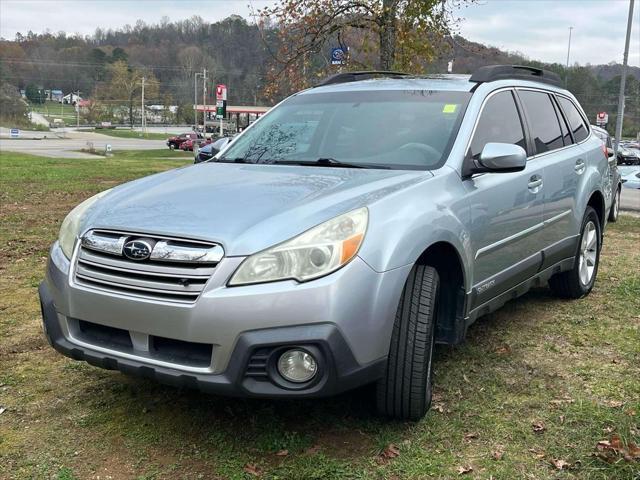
(535, 183)
(580, 166)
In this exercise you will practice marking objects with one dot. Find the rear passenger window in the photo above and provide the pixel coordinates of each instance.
(578, 127)
(545, 128)
(499, 122)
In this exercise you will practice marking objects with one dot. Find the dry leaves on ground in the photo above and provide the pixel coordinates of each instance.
(560, 464)
(538, 427)
(390, 452)
(252, 469)
(611, 450)
(463, 469)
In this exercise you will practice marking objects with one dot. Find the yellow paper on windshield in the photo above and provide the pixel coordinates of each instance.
(449, 108)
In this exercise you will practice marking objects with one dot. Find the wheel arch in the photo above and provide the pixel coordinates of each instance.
(446, 259)
(596, 201)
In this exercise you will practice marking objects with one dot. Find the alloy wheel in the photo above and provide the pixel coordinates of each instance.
(588, 253)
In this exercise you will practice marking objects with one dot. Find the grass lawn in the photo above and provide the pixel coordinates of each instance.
(125, 133)
(530, 393)
(53, 110)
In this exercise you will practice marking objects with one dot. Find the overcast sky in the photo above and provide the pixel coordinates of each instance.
(537, 28)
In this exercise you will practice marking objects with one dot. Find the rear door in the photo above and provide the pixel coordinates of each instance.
(506, 208)
(563, 162)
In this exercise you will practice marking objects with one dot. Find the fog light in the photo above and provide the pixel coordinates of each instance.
(297, 366)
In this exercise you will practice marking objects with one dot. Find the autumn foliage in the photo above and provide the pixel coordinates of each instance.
(381, 34)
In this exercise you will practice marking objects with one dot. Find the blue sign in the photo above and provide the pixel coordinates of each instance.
(15, 133)
(337, 56)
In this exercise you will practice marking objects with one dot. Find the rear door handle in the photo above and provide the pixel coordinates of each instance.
(535, 183)
(580, 167)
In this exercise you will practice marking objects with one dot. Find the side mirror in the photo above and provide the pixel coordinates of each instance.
(610, 152)
(500, 158)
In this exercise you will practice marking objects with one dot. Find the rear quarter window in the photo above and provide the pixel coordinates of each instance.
(576, 122)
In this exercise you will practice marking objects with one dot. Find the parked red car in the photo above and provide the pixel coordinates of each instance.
(178, 140)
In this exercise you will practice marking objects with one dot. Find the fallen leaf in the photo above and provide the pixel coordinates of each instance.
(470, 436)
(464, 377)
(538, 427)
(390, 451)
(438, 407)
(2, 410)
(313, 450)
(464, 469)
(614, 403)
(252, 469)
(560, 464)
(282, 453)
(633, 450)
(497, 454)
(539, 454)
(616, 442)
(504, 349)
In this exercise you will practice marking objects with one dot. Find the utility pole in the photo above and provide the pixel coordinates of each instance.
(204, 101)
(77, 108)
(566, 77)
(623, 79)
(195, 99)
(143, 79)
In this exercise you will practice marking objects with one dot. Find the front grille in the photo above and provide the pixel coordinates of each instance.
(176, 270)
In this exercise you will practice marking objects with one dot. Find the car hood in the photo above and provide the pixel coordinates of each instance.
(245, 208)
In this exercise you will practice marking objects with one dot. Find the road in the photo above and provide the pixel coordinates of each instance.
(67, 143)
(630, 200)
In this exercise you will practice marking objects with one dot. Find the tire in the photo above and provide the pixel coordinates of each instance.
(404, 392)
(579, 281)
(615, 207)
(172, 146)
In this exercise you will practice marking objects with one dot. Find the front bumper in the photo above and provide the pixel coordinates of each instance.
(346, 318)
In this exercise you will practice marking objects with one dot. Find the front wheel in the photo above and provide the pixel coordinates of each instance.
(579, 281)
(405, 390)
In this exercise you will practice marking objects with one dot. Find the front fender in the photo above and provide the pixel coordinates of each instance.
(403, 225)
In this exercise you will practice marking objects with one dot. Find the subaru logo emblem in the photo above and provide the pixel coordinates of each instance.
(137, 250)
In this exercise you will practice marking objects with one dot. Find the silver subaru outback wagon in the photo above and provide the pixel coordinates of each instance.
(332, 243)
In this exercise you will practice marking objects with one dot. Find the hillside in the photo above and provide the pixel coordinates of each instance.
(238, 54)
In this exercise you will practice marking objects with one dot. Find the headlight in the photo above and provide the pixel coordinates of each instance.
(71, 224)
(317, 252)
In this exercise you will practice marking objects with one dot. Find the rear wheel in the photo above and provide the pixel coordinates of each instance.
(405, 390)
(579, 281)
(615, 208)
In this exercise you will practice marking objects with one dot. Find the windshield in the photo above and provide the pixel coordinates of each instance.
(407, 129)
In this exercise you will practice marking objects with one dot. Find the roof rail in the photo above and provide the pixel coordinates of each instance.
(491, 73)
(355, 76)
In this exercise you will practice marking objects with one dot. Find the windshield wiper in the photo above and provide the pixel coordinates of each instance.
(328, 162)
(228, 160)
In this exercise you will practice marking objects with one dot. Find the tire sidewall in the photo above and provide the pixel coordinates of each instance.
(589, 215)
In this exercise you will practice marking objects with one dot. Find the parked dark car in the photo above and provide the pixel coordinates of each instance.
(175, 142)
(628, 153)
(210, 150)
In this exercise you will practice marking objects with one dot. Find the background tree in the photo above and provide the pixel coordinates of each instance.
(13, 109)
(34, 94)
(125, 86)
(402, 34)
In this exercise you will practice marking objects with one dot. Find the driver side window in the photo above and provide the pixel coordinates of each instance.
(499, 122)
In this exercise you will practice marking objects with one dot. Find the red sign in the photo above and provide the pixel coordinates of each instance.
(221, 92)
